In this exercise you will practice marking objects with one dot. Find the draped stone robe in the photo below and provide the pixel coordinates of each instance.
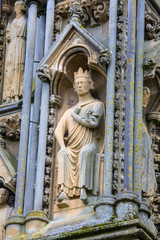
(149, 183)
(5, 213)
(14, 69)
(80, 167)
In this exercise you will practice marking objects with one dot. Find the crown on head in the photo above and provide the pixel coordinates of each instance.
(19, 2)
(80, 73)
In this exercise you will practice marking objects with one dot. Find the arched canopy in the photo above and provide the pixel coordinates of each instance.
(73, 43)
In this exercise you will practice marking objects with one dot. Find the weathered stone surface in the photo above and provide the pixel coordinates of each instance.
(79, 154)
(5, 210)
(14, 66)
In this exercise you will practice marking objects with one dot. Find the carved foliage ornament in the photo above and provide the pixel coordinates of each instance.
(121, 45)
(151, 24)
(44, 73)
(54, 100)
(94, 11)
(12, 125)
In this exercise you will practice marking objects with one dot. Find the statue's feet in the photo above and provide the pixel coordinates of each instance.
(8, 100)
(61, 197)
(83, 195)
(16, 98)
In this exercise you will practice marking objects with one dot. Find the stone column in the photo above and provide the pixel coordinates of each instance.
(128, 157)
(104, 206)
(139, 99)
(127, 204)
(44, 112)
(18, 219)
(32, 152)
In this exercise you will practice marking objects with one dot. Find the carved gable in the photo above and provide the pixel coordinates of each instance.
(74, 39)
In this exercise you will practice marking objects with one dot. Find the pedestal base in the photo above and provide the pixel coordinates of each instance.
(14, 226)
(104, 207)
(35, 221)
(127, 206)
(144, 213)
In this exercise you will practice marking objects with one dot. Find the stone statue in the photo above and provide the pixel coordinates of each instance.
(5, 211)
(149, 183)
(79, 136)
(15, 56)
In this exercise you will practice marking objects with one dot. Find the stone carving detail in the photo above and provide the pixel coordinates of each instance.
(75, 11)
(149, 183)
(120, 92)
(49, 164)
(57, 27)
(154, 130)
(15, 55)
(104, 58)
(12, 125)
(2, 135)
(151, 24)
(6, 10)
(48, 161)
(93, 12)
(5, 211)
(79, 135)
(44, 73)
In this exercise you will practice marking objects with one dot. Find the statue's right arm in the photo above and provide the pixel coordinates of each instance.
(60, 131)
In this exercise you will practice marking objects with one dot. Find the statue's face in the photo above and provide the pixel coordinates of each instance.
(82, 86)
(3, 195)
(19, 8)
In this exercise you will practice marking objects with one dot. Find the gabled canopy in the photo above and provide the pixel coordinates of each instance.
(74, 39)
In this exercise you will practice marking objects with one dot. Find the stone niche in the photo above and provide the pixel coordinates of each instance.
(75, 206)
(78, 49)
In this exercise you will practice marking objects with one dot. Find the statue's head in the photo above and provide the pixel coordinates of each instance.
(146, 96)
(83, 82)
(19, 7)
(4, 194)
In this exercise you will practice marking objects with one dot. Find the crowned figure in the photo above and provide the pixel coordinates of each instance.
(79, 135)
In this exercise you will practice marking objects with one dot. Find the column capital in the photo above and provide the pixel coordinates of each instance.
(29, 2)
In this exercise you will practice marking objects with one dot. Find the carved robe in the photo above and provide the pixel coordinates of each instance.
(14, 69)
(80, 167)
(149, 183)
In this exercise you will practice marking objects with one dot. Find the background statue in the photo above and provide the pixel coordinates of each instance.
(149, 183)
(15, 58)
(5, 211)
(78, 134)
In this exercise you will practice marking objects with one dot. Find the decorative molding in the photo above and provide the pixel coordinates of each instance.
(12, 125)
(120, 95)
(75, 11)
(2, 135)
(44, 73)
(152, 23)
(104, 58)
(153, 120)
(55, 101)
(93, 12)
